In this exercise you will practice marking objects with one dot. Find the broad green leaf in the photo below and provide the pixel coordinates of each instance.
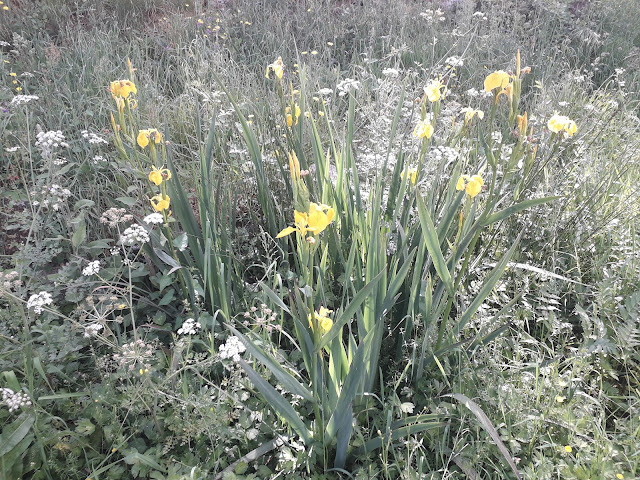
(397, 281)
(13, 434)
(278, 402)
(288, 382)
(348, 312)
(137, 457)
(518, 207)
(128, 201)
(83, 203)
(80, 234)
(274, 297)
(350, 385)
(180, 242)
(169, 260)
(433, 246)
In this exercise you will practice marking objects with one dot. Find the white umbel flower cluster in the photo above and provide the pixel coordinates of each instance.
(135, 234)
(14, 400)
(53, 196)
(51, 139)
(92, 137)
(347, 85)
(22, 99)
(189, 327)
(38, 300)
(91, 269)
(153, 218)
(232, 349)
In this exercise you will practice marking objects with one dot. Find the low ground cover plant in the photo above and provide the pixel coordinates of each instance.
(319, 240)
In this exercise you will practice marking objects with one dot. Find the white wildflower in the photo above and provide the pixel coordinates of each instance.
(91, 269)
(325, 91)
(39, 300)
(51, 139)
(189, 327)
(14, 400)
(347, 85)
(22, 99)
(407, 407)
(135, 234)
(12, 149)
(390, 72)
(454, 61)
(92, 137)
(232, 349)
(153, 219)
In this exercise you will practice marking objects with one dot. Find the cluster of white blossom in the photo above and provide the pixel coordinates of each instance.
(12, 149)
(232, 349)
(22, 99)
(14, 400)
(454, 61)
(51, 139)
(38, 300)
(189, 327)
(347, 85)
(135, 234)
(433, 15)
(114, 216)
(92, 137)
(153, 218)
(391, 72)
(91, 269)
(53, 196)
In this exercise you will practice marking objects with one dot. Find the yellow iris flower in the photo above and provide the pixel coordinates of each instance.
(412, 173)
(314, 221)
(472, 185)
(499, 79)
(423, 129)
(158, 175)
(560, 123)
(435, 90)
(122, 88)
(150, 134)
(469, 113)
(277, 67)
(292, 119)
(322, 320)
(160, 202)
(522, 122)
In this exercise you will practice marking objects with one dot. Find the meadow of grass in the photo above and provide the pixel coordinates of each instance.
(319, 239)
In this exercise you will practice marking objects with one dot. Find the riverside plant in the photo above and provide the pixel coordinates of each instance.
(436, 224)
